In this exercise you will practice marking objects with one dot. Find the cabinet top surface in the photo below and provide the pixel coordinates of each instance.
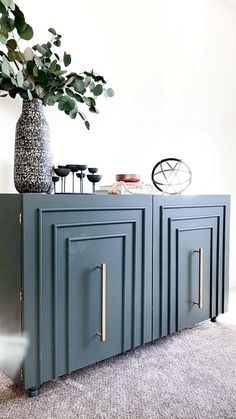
(96, 200)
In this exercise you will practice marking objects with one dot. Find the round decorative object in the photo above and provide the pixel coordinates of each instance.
(33, 159)
(127, 178)
(171, 176)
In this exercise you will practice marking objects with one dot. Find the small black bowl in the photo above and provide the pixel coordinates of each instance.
(73, 167)
(80, 175)
(62, 171)
(82, 166)
(94, 178)
(92, 169)
(55, 179)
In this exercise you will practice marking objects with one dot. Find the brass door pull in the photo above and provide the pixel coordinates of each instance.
(102, 334)
(200, 277)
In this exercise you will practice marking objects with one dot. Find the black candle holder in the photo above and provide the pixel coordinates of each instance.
(94, 179)
(62, 171)
(55, 179)
(73, 168)
(81, 175)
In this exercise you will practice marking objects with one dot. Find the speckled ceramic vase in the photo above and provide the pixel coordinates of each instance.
(33, 159)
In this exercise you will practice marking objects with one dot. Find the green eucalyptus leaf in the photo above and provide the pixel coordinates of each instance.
(28, 54)
(51, 100)
(27, 33)
(73, 114)
(98, 89)
(6, 3)
(16, 56)
(91, 86)
(79, 98)
(69, 92)
(20, 78)
(35, 71)
(87, 81)
(70, 104)
(53, 66)
(30, 65)
(6, 23)
(38, 62)
(13, 92)
(45, 46)
(2, 8)
(20, 22)
(66, 59)
(92, 109)
(61, 105)
(60, 72)
(29, 95)
(87, 124)
(20, 57)
(59, 94)
(89, 101)
(52, 30)
(3, 37)
(27, 85)
(57, 43)
(109, 92)
(42, 77)
(5, 69)
(79, 85)
(98, 78)
(12, 6)
(11, 44)
(66, 103)
(39, 91)
(12, 56)
(6, 85)
(41, 49)
(13, 81)
(24, 95)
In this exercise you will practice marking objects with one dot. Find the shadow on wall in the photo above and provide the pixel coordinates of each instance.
(6, 177)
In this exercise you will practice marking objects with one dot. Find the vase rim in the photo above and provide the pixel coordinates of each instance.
(35, 99)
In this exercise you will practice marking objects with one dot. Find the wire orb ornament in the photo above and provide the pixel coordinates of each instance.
(171, 176)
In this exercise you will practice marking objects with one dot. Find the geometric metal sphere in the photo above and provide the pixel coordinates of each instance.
(171, 176)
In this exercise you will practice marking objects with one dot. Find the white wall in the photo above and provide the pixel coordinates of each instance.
(172, 64)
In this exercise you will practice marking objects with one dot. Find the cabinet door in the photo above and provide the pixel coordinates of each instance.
(195, 275)
(96, 297)
(73, 236)
(182, 226)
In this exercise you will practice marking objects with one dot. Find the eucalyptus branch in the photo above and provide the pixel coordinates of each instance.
(41, 72)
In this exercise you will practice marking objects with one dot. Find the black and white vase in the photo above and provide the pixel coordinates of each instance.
(33, 159)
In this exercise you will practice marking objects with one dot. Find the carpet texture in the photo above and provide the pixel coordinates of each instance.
(190, 374)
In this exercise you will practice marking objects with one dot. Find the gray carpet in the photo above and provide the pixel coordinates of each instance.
(191, 374)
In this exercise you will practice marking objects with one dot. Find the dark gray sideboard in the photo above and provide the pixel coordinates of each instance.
(89, 277)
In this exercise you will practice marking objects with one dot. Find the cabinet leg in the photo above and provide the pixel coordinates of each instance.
(33, 391)
(213, 319)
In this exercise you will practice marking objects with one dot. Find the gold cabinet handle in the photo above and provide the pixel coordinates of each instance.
(200, 277)
(102, 334)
